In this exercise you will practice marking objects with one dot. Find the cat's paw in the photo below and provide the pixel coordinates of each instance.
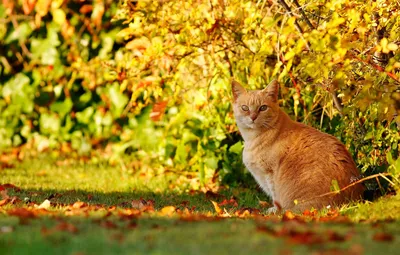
(272, 210)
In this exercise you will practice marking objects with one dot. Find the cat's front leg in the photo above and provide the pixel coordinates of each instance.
(274, 209)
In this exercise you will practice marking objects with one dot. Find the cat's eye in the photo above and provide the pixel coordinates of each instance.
(245, 108)
(263, 108)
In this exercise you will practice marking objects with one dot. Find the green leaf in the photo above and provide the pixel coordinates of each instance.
(237, 148)
(211, 161)
(63, 107)
(335, 186)
(85, 116)
(118, 100)
(49, 123)
(20, 91)
(23, 31)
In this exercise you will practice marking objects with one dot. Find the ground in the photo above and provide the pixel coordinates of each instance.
(62, 207)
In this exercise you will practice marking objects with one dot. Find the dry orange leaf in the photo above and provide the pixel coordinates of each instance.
(86, 8)
(264, 204)
(67, 227)
(288, 215)
(78, 205)
(22, 213)
(383, 237)
(4, 201)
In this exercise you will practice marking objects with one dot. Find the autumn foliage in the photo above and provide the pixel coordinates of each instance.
(151, 78)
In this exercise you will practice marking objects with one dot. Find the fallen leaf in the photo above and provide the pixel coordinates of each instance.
(288, 215)
(4, 194)
(383, 237)
(335, 237)
(118, 237)
(132, 225)
(168, 210)
(128, 214)
(78, 205)
(216, 207)
(247, 211)
(264, 204)
(67, 227)
(311, 213)
(307, 237)
(4, 201)
(108, 224)
(356, 249)
(232, 201)
(22, 213)
(45, 205)
(9, 186)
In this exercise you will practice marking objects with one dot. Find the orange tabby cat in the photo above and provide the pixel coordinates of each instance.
(293, 163)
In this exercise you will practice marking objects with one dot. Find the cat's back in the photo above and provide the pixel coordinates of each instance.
(310, 144)
(311, 163)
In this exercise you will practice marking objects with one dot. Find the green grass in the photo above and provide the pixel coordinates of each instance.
(374, 228)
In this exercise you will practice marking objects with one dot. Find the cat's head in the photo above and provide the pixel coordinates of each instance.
(256, 109)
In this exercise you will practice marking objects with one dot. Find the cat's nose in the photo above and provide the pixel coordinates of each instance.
(253, 117)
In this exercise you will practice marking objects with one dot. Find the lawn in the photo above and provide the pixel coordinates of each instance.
(102, 209)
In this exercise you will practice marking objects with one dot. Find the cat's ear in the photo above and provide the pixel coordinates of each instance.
(237, 89)
(272, 90)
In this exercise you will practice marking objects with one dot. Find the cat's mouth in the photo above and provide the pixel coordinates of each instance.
(251, 125)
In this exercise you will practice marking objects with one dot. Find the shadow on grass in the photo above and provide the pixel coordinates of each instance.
(196, 200)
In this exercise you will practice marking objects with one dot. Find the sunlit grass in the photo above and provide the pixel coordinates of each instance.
(99, 232)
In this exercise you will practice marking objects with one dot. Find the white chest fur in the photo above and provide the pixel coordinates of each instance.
(261, 167)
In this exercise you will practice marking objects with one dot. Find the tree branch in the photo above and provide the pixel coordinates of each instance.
(287, 8)
(303, 14)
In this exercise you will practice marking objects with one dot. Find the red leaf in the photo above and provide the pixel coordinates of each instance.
(383, 237)
(86, 8)
(158, 110)
(4, 201)
(67, 227)
(22, 213)
(108, 224)
(231, 202)
(9, 186)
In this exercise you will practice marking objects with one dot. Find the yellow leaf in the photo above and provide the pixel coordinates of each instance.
(141, 43)
(42, 7)
(384, 44)
(396, 65)
(59, 16)
(216, 207)
(392, 46)
(168, 210)
(44, 205)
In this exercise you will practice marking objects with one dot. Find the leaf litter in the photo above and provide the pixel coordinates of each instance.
(293, 228)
